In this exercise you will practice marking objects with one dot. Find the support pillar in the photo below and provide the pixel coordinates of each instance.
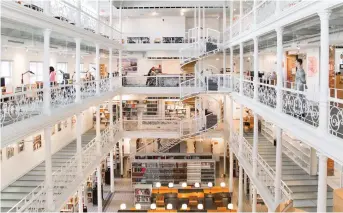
(46, 74)
(254, 199)
(97, 68)
(77, 70)
(240, 16)
(226, 132)
(48, 171)
(80, 199)
(240, 189)
(120, 67)
(112, 170)
(121, 155)
(322, 184)
(231, 172)
(241, 130)
(99, 185)
(97, 129)
(279, 69)
(79, 142)
(278, 166)
(110, 69)
(255, 146)
(241, 68)
(245, 184)
(256, 80)
(231, 21)
(324, 69)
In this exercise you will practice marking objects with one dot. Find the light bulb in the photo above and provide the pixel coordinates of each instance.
(200, 206)
(170, 185)
(138, 206)
(222, 184)
(184, 206)
(210, 184)
(230, 206)
(196, 185)
(184, 185)
(169, 206)
(123, 206)
(153, 206)
(154, 13)
(158, 185)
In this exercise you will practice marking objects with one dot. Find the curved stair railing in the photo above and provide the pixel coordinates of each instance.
(190, 128)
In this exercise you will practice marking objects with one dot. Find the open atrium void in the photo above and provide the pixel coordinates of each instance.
(171, 106)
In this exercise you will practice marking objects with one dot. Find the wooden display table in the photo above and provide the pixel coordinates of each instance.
(189, 195)
(164, 190)
(216, 189)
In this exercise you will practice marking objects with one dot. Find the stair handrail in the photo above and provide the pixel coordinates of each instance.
(71, 162)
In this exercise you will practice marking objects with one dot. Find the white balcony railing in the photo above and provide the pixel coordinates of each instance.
(336, 112)
(153, 81)
(67, 11)
(151, 125)
(23, 105)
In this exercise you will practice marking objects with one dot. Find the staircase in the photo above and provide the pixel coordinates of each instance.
(16, 191)
(196, 129)
(303, 185)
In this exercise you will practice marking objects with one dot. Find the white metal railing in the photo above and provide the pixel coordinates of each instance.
(213, 36)
(66, 175)
(191, 87)
(336, 112)
(265, 173)
(267, 94)
(285, 5)
(20, 106)
(189, 53)
(248, 21)
(265, 10)
(248, 88)
(62, 95)
(153, 81)
(151, 125)
(235, 29)
(67, 11)
(219, 83)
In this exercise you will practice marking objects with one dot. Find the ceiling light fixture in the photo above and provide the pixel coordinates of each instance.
(154, 13)
(182, 13)
(234, 9)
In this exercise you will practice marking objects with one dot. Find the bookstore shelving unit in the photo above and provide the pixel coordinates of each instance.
(130, 109)
(151, 107)
(174, 110)
(143, 194)
(175, 168)
(71, 205)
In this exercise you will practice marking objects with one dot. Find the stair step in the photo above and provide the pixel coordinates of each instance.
(27, 189)
(310, 203)
(33, 177)
(314, 209)
(304, 188)
(301, 182)
(13, 196)
(299, 177)
(26, 183)
(8, 203)
(309, 195)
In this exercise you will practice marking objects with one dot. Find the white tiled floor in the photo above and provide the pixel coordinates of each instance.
(123, 193)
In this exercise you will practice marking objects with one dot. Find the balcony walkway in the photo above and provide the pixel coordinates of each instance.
(303, 185)
(16, 191)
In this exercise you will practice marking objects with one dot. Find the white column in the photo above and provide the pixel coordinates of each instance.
(322, 185)
(79, 142)
(231, 19)
(231, 171)
(241, 130)
(324, 69)
(203, 20)
(80, 198)
(121, 120)
(121, 24)
(278, 166)
(48, 171)
(121, 155)
(78, 13)
(231, 68)
(255, 14)
(255, 146)
(245, 185)
(279, 69)
(99, 183)
(254, 199)
(195, 17)
(226, 131)
(111, 18)
(46, 74)
(47, 7)
(240, 15)
(241, 68)
(256, 68)
(97, 129)
(97, 11)
(97, 67)
(240, 189)
(120, 67)
(199, 23)
(110, 109)
(112, 170)
(224, 23)
(77, 70)
(277, 8)
(110, 69)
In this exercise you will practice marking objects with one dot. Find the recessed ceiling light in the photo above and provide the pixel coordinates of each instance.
(154, 13)
(182, 13)
(234, 9)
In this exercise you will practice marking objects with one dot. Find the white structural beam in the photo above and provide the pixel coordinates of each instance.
(97, 129)
(278, 166)
(322, 184)
(279, 69)
(77, 70)
(240, 189)
(99, 187)
(241, 68)
(46, 74)
(48, 171)
(97, 68)
(78, 130)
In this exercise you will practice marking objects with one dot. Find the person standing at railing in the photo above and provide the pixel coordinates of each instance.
(300, 76)
(52, 76)
(150, 81)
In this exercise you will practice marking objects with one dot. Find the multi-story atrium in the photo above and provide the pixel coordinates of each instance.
(171, 106)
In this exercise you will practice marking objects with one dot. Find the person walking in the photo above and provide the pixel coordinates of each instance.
(300, 76)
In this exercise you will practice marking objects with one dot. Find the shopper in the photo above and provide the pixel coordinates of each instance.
(52, 76)
(300, 76)
(150, 81)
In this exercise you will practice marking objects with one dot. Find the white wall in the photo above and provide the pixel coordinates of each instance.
(21, 60)
(23, 162)
(155, 27)
(213, 23)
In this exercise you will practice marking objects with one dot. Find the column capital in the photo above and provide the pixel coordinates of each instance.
(77, 39)
(279, 30)
(324, 14)
(255, 39)
(322, 157)
(47, 30)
